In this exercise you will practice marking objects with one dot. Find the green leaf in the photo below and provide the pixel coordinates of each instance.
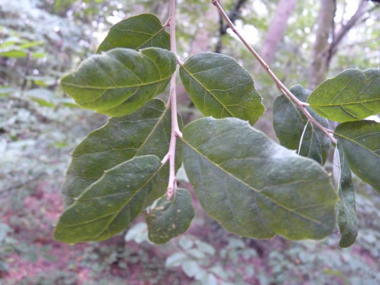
(170, 218)
(220, 87)
(14, 53)
(42, 96)
(146, 131)
(361, 144)
(350, 96)
(121, 81)
(295, 131)
(347, 220)
(109, 205)
(137, 32)
(254, 187)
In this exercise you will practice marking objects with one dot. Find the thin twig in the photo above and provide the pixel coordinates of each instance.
(172, 103)
(301, 105)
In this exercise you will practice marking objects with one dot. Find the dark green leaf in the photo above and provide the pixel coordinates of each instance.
(361, 144)
(220, 87)
(289, 124)
(137, 32)
(109, 205)
(350, 96)
(347, 220)
(121, 81)
(146, 131)
(255, 187)
(170, 218)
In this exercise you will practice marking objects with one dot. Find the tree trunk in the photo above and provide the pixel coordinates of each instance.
(321, 49)
(277, 29)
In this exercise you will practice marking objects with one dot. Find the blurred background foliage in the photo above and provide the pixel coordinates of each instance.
(40, 40)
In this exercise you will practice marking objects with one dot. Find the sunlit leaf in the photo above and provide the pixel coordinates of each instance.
(347, 220)
(14, 53)
(361, 144)
(220, 87)
(146, 131)
(137, 32)
(350, 96)
(254, 187)
(289, 124)
(121, 81)
(170, 218)
(109, 205)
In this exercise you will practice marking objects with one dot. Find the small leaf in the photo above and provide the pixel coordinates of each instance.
(170, 218)
(13, 53)
(289, 124)
(146, 131)
(347, 220)
(350, 96)
(254, 187)
(109, 205)
(120, 81)
(176, 259)
(220, 87)
(361, 144)
(191, 268)
(137, 32)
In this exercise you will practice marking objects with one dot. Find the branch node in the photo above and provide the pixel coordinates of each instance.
(165, 159)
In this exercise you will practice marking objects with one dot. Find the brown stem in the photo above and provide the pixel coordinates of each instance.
(172, 103)
(301, 105)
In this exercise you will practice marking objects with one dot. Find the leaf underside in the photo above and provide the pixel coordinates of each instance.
(170, 218)
(109, 205)
(220, 87)
(347, 220)
(120, 81)
(136, 32)
(361, 143)
(254, 187)
(350, 96)
(146, 131)
(289, 124)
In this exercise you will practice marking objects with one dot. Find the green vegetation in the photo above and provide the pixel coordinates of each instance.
(296, 190)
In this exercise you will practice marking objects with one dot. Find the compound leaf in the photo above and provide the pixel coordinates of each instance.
(137, 32)
(170, 218)
(254, 187)
(220, 87)
(146, 131)
(120, 81)
(347, 220)
(350, 96)
(289, 124)
(109, 205)
(361, 144)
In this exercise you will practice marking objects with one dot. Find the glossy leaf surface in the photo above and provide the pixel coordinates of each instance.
(347, 220)
(289, 124)
(137, 32)
(361, 144)
(254, 187)
(170, 218)
(109, 205)
(146, 131)
(120, 81)
(350, 96)
(220, 87)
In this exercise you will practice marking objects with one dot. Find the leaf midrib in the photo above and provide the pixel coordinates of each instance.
(115, 87)
(116, 213)
(250, 187)
(343, 104)
(356, 143)
(208, 91)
